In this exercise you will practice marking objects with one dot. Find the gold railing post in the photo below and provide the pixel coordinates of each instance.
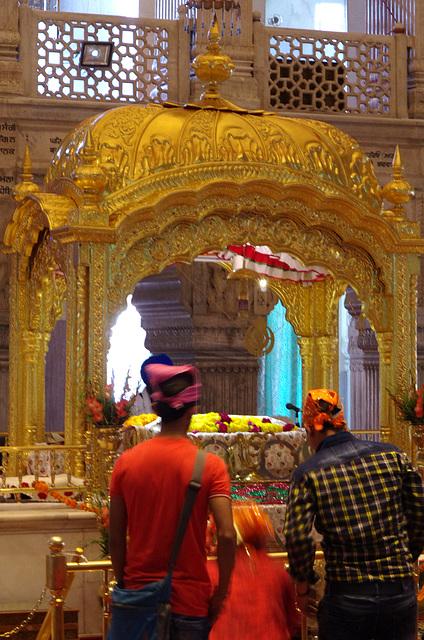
(56, 582)
(107, 587)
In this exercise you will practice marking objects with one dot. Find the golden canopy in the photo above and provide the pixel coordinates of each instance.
(140, 187)
(187, 146)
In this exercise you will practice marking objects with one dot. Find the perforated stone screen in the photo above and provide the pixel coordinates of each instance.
(139, 68)
(329, 73)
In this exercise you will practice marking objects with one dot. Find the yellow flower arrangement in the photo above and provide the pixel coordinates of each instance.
(140, 421)
(221, 422)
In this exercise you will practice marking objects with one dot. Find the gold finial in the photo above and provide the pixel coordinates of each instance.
(398, 191)
(212, 67)
(88, 175)
(26, 186)
(56, 544)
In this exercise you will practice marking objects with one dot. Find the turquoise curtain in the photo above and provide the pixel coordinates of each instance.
(280, 375)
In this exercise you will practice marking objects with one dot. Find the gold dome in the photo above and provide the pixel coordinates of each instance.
(151, 144)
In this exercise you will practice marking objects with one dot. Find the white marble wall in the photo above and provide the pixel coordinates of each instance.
(24, 534)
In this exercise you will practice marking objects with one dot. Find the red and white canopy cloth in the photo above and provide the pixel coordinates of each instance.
(281, 266)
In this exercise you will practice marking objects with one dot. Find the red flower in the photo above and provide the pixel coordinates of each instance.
(222, 427)
(121, 408)
(288, 427)
(92, 403)
(254, 428)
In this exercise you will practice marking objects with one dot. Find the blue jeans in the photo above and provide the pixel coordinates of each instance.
(189, 627)
(345, 617)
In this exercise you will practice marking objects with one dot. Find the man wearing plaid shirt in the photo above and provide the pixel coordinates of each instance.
(367, 502)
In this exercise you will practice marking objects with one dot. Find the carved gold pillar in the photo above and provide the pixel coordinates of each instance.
(13, 350)
(404, 339)
(328, 361)
(98, 339)
(306, 348)
(33, 346)
(387, 410)
(10, 68)
(77, 353)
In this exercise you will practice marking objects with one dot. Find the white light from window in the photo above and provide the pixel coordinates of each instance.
(127, 351)
(330, 16)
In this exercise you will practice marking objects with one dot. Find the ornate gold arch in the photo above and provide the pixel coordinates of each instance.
(102, 245)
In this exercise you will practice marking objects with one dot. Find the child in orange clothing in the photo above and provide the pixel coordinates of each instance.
(261, 602)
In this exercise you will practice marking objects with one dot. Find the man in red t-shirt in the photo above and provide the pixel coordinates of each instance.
(147, 492)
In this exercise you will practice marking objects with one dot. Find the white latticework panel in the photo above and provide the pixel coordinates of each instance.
(329, 73)
(139, 69)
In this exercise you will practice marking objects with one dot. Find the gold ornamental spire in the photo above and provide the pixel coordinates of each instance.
(398, 191)
(88, 175)
(26, 186)
(213, 67)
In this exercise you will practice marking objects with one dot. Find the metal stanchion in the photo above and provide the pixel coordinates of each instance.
(56, 582)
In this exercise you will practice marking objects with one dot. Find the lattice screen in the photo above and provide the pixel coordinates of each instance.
(139, 69)
(329, 74)
(382, 15)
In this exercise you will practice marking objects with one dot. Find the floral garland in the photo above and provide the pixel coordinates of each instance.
(223, 423)
(100, 509)
(141, 420)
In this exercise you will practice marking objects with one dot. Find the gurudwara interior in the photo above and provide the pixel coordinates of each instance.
(255, 185)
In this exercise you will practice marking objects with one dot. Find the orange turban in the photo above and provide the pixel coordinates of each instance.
(322, 405)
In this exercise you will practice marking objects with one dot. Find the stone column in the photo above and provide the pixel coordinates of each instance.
(364, 369)
(10, 68)
(416, 93)
(191, 314)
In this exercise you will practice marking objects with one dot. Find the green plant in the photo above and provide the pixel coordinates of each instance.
(409, 403)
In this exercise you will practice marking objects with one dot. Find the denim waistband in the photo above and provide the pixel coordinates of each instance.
(375, 588)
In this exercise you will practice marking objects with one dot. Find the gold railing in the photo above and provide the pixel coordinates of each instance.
(59, 576)
(370, 434)
(15, 460)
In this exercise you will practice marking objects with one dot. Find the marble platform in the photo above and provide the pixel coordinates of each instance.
(25, 530)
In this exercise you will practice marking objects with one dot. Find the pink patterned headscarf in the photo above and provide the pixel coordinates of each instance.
(158, 373)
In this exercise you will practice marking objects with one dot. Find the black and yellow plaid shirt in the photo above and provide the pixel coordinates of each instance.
(367, 502)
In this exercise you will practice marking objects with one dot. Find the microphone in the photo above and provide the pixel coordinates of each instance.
(291, 407)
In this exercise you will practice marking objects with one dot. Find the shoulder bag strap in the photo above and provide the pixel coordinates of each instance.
(190, 498)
